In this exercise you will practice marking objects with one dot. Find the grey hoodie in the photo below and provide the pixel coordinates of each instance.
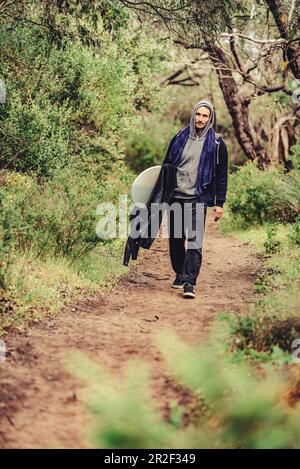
(187, 169)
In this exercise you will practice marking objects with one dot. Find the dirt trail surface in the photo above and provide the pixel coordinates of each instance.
(39, 405)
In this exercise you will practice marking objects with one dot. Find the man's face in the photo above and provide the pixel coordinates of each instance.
(202, 117)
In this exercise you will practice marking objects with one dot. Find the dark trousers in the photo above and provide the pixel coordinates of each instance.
(187, 224)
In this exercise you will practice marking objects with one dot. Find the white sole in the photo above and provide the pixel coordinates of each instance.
(189, 295)
(178, 287)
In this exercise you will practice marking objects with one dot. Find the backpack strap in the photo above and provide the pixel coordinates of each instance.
(218, 141)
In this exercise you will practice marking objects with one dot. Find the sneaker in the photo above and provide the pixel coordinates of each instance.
(189, 290)
(178, 283)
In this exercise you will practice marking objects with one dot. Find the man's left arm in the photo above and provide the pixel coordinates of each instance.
(221, 181)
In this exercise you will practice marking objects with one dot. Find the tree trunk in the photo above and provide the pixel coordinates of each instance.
(237, 106)
(280, 12)
(283, 137)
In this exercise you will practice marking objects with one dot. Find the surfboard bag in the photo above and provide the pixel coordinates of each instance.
(146, 231)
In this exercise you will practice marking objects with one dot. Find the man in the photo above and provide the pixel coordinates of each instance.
(202, 166)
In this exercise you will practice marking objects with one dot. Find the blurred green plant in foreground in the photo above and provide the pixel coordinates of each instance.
(239, 407)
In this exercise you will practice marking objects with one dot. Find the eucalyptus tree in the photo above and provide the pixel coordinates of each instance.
(241, 39)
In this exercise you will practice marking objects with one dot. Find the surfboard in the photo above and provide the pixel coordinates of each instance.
(143, 185)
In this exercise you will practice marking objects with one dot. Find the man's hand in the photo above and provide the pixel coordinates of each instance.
(218, 211)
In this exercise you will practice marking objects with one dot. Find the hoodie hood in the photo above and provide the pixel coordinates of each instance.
(209, 125)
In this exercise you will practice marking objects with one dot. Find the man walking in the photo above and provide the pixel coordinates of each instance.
(202, 166)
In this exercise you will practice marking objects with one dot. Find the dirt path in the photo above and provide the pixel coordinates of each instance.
(38, 398)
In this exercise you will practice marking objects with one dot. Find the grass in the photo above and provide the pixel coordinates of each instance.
(41, 287)
(256, 235)
(267, 332)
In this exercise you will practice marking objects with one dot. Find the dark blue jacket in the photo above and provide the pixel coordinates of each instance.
(215, 193)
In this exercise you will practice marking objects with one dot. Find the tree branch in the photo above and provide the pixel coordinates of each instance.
(257, 41)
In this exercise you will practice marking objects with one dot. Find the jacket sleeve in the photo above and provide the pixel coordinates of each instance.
(222, 175)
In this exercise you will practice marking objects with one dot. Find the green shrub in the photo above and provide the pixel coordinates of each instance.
(59, 216)
(34, 137)
(72, 103)
(295, 233)
(272, 245)
(13, 227)
(295, 157)
(148, 144)
(255, 196)
(262, 333)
